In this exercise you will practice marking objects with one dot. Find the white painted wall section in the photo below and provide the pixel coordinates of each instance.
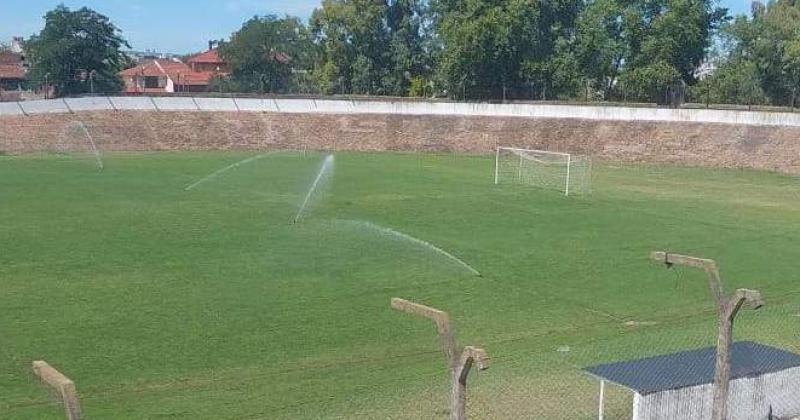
(133, 103)
(388, 107)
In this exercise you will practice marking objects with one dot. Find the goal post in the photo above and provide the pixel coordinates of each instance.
(565, 172)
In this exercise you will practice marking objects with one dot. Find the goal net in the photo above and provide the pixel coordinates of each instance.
(570, 174)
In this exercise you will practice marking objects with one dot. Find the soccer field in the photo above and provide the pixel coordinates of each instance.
(208, 303)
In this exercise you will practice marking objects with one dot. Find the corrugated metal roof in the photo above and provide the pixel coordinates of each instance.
(695, 367)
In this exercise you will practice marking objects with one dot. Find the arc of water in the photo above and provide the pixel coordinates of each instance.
(95, 151)
(420, 242)
(225, 169)
(327, 165)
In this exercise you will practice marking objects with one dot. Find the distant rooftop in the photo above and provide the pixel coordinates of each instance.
(206, 57)
(693, 368)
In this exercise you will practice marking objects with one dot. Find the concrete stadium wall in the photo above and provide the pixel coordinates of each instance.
(315, 106)
(617, 134)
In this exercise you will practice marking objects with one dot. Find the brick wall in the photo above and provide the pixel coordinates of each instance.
(697, 144)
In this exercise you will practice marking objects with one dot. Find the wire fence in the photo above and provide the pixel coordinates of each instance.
(675, 97)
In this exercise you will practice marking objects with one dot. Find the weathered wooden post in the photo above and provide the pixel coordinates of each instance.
(459, 362)
(729, 307)
(63, 385)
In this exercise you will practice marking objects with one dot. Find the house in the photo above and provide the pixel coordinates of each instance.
(13, 66)
(13, 72)
(208, 61)
(163, 76)
(765, 383)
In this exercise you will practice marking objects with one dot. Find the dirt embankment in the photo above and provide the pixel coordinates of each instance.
(716, 145)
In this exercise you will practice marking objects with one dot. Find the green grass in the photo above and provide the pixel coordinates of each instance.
(208, 304)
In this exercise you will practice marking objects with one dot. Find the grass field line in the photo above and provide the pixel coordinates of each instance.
(232, 376)
(707, 223)
(200, 383)
(706, 315)
(397, 375)
(226, 169)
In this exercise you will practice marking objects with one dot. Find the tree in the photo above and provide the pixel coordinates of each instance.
(77, 52)
(264, 53)
(353, 37)
(409, 45)
(600, 47)
(371, 46)
(737, 81)
(770, 40)
(650, 82)
(497, 49)
(634, 41)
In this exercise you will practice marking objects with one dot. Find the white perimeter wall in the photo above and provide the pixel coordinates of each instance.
(750, 399)
(313, 106)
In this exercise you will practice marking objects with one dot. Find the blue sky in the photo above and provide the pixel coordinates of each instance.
(178, 26)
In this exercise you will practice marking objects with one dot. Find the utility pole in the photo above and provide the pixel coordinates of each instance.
(459, 362)
(729, 307)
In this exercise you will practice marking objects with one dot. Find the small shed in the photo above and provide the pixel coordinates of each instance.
(765, 383)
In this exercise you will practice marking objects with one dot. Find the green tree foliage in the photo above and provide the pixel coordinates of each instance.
(736, 82)
(370, 46)
(409, 44)
(496, 48)
(647, 46)
(769, 44)
(77, 51)
(265, 54)
(650, 82)
(600, 48)
(638, 50)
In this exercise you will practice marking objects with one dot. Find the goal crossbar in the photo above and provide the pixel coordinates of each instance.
(544, 152)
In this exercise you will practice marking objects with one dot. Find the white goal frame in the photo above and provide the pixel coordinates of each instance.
(568, 158)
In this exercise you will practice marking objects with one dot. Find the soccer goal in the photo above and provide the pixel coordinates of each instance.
(565, 172)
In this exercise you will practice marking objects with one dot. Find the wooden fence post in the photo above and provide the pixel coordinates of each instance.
(64, 386)
(729, 307)
(459, 362)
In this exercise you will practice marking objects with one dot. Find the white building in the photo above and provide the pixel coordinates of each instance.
(765, 384)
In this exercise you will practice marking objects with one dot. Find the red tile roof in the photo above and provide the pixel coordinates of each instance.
(8, 57)
(198, 78)
(147, 69)
(180, 73)
(12, 71)
(208, 57)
